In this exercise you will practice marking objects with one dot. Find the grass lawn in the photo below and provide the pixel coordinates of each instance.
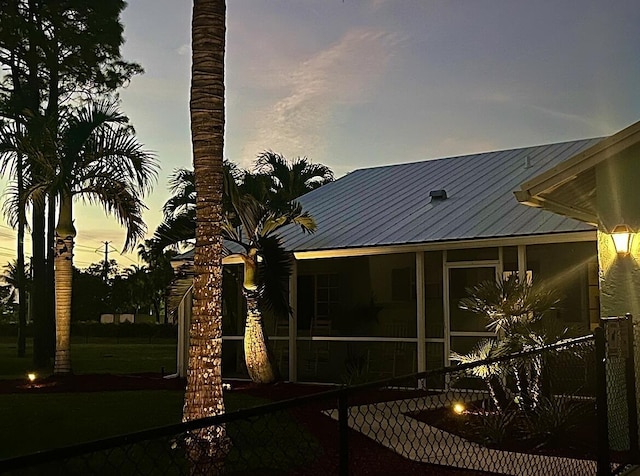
(36, 422)
(124, 356)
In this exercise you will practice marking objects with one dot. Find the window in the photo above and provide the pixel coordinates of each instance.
(318, 300)
(327, 295)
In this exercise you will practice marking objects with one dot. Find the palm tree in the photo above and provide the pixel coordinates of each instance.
(20, 220)
(22, 142)
(518, 311)
(203, 395)
(492, 374)
(266, 269)
(252, 223)
(100, 161)
(290, 179)
(160, 274)
(182, 184)
(178, 227)
(11, 278)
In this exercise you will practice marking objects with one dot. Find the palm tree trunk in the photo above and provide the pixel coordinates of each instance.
(203, 396)
(22, 305)
(65, 233)
(256, 354)
(38, 291)
(50, 260)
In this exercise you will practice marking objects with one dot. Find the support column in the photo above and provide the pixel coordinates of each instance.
(522, 261)
(421, 332)
(445, 309)
(293, 322)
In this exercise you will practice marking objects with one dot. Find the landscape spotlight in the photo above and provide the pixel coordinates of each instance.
(458, 408)
(31, 376)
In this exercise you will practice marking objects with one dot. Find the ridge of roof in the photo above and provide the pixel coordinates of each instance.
(462, 156)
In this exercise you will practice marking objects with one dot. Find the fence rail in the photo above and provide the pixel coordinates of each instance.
(541, 411)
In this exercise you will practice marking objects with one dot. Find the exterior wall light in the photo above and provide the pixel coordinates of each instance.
(622, 236)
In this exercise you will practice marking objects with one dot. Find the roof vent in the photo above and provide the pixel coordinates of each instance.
(438, 194)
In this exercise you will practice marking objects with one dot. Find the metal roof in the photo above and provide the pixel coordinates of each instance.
(391, 205)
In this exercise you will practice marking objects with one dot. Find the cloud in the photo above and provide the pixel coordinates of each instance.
(346, 73)
(184, 50)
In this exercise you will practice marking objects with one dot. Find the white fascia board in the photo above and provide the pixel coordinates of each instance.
(567, 237)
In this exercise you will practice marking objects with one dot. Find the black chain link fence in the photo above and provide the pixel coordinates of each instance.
(539, 412)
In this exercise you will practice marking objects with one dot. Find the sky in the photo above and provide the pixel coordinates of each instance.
(361, 83)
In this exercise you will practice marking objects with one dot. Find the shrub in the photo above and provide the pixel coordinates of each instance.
(554, 420)
(493, 428)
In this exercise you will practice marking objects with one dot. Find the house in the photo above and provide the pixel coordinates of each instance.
(375, 290)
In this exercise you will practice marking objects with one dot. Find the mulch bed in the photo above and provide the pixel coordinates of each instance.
(365, 456)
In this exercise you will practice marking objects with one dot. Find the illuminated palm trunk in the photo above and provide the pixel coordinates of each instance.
(207, 448)
(256, 354)
(63, 262)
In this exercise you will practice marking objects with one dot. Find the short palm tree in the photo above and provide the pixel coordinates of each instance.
(251, 223)
(518, 311)
(267, 267)
(100, 161)
(492, 374)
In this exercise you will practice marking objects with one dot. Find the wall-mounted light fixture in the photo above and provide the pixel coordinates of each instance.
(622, 236)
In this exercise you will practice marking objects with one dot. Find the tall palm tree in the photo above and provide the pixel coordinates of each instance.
(22, 142)
(100, 161)
(290, 179)
(266, 269)
(20, 220)
(203, 395)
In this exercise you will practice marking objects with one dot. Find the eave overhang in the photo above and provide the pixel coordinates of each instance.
(569, 188)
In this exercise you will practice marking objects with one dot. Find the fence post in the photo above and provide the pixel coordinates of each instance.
(632, 405)
(604, 468)
(343, 431)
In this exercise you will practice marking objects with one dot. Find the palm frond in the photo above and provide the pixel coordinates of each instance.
(509, 302)
(175, 231)
(276, 219)
(483, 350)
(182, 184)
(273, 275)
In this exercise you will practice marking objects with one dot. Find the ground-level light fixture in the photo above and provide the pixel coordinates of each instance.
(622, 236)
(458, 408)
(31, 376)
